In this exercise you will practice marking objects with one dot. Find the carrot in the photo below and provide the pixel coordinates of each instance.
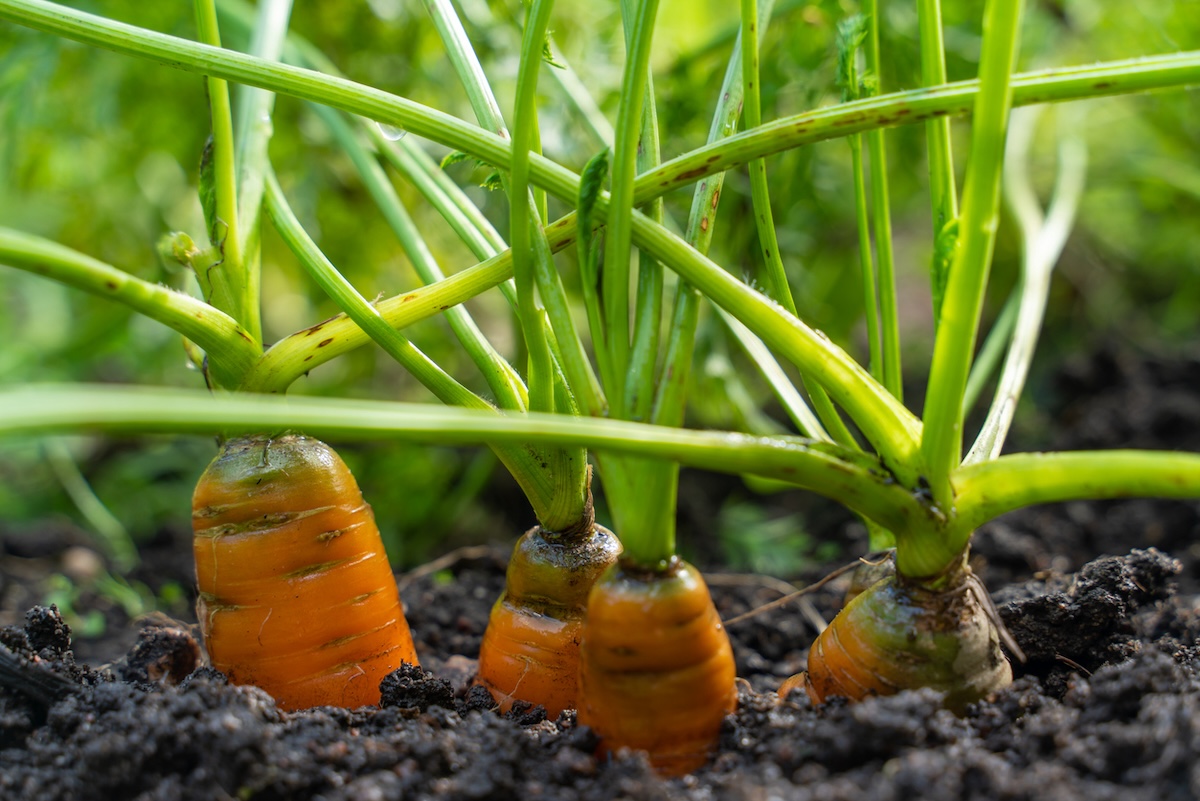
(530, 649)
(296, 593)
(904, 633)
(656, 668)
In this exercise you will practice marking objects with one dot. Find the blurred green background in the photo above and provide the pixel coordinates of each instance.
(100, 152)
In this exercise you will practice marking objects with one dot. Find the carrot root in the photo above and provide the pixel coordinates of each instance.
(296, 593)
(902, 634)
(530, 649)
(656, 667)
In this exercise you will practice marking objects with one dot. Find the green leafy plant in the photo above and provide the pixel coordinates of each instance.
(625, 398)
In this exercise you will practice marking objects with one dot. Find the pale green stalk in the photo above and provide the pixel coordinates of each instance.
(1042, 241)
(889, 325)
(253, 135)
(943, 195)
(866, 260)
(227, 284)
(231, 351)
(617, 244)
(541, 383)
(777, 282)
(853, 479)
(941, 442)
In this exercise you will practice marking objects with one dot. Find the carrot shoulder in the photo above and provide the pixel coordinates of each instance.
(903, 633)
(530, 649)
(296, 593)
(656, 668)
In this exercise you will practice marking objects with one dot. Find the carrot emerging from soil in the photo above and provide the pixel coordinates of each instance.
(903, 633)
(530, 650)
(296, 593)
(656, 668)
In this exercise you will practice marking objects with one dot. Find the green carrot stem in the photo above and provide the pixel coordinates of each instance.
(889, 325)
(854, 479)
(615, 290)
(226, 284)
(1042, 241)
(777, 282)
(866, 260)
(941, 443)
(985, 490)
(943, 195)
(253, 134)
(231, 350)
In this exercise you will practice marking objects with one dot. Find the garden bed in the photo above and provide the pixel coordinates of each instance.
(1107, 706)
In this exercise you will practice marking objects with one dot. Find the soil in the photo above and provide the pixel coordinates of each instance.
(1107, 705)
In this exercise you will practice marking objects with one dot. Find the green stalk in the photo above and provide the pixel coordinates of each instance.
(231, 351)
(865, 260)
(541, 383)
(502, 380)
(226, 284)
(851, 478)
(991, 353)
(1042, 241)
(618, 236)
(943, 194)
(777, 282)
(985, 490)
(941, 443)
(642, 378)
(881, 208)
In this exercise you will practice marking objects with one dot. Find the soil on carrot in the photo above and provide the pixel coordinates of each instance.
(1107, 705)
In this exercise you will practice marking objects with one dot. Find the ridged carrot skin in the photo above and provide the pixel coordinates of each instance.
(296, 593)
(902, 634)
(530, 649)
(656, 668)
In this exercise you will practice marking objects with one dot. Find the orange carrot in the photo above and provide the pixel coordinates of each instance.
(530, 650)
(903, 633)
(656, 668)
(296, 593)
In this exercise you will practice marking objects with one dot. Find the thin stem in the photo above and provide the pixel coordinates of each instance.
(253, 134)
(231, 351)
(1042, 241)
(851, 478)
(882, 215)
(866, 260)
(941, 443)
(525, 115)
(985, 490)
(943, 194)
(777, 282)
(114, 537)
(228, 282)
(618, 236)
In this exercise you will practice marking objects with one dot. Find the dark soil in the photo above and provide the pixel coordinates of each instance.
(1107, 706)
